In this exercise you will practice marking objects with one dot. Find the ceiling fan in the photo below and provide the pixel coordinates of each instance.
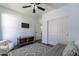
(34, 6)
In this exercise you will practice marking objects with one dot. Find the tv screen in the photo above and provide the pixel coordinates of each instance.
(25, 25)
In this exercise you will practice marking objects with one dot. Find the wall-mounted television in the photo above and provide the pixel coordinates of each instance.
(24, 25)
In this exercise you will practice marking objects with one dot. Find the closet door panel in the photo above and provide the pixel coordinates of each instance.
(58, 30)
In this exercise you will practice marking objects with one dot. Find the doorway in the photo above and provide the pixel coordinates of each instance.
(38, 33)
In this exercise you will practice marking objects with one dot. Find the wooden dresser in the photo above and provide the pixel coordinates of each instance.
(25, 40)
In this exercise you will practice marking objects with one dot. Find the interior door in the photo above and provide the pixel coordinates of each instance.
(58, 30)
(38, 32)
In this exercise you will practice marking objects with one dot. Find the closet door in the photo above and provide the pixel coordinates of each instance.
(58, 31)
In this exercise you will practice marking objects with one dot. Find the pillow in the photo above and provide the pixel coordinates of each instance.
(71, 50)
(4, 43)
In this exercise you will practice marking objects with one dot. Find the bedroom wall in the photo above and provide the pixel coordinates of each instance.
(11, 25)
(0, 29)
(72, 12)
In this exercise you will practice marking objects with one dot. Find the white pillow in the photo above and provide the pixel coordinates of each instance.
(71, 50)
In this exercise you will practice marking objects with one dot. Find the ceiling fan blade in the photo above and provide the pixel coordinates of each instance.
(37, 3)
(34, 11)
(41, 8)
(26, 6)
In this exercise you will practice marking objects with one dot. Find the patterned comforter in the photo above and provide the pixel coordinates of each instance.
(37, 49)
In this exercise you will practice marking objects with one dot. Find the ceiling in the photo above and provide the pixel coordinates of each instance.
(28, 11)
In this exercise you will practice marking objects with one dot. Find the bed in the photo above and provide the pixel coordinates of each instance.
(38, 49)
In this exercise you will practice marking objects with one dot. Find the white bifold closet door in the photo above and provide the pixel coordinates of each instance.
(58, 31)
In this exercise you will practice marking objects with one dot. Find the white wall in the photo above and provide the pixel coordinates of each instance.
(0, 29)
(70, 10)
(11, 25)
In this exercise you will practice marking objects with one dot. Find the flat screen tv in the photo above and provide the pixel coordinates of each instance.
(24, 25)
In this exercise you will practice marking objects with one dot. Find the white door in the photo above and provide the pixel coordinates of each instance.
(38, 32)
(58, 30)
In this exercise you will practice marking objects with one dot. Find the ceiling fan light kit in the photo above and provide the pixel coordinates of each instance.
(34, 6)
